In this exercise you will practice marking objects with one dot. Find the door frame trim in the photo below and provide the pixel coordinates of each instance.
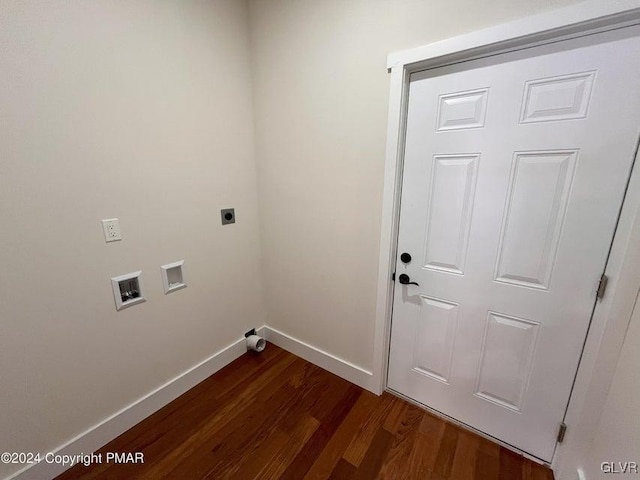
(613, 313)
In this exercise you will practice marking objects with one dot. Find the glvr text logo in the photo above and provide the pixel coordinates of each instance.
(619, 467)
(124, 457)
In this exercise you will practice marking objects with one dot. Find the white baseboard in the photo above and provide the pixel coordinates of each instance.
(322, 359)
(118, 423)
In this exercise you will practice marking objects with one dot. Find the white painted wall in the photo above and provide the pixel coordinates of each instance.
(139, 110)
(618, 435)
(320, 99)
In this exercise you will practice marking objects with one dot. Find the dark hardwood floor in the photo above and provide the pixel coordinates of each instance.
(275, 415)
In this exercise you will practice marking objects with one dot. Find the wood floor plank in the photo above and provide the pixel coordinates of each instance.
(527, 471)
(421, 458)
(331, 421)
(375, 455)
(343, 471)
(270, 461)
(487, 466)
(394, 417)
(510, 465)
(404, 435)
(276, 416)
(464, 460)
(447, 451)
(219, 454)
(297, 440)
(251, 463)
(323, 466)
(489, 448)
(542, 473)
(534, 471)
(358, 447)
(311, 388)
(426, 445)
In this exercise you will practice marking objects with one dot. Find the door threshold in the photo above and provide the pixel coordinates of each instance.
(460, 424)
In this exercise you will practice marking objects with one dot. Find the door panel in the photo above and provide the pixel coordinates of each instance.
(506, 360)
(434, 337)
(558, 98)
(534, 215)
(462, 110)
(514, 172)
(449, 216)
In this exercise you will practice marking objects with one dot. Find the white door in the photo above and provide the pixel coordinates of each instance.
(515, 169)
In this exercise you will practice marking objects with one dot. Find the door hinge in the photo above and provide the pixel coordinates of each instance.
(393, 276)
(562, 431)
(602, 286)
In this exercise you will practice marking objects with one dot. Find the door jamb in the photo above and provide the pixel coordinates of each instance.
(612, 314)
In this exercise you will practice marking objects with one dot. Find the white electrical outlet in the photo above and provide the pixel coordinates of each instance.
(111, 228)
